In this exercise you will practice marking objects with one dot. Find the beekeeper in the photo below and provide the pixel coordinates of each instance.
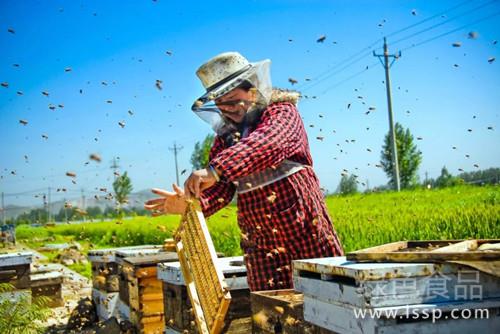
(261, 153)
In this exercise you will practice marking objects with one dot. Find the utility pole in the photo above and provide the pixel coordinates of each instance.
(49, 216)
(3, 210)
(176, 150)
(65, 211)
(83, 203)
(114, 167)
(44, 198)
(386, 66)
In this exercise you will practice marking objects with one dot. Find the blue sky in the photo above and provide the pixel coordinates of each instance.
(447, 90)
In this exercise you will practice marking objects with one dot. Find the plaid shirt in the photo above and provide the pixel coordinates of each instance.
(280, 222)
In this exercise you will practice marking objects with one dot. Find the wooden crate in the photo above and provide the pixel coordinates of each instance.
(15, 269)
(280, 311)
(144, 290)
(334, 289)
(177, 305)
(48, 284)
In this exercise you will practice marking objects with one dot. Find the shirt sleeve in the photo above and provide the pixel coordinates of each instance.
(276, 138)
(221, 193)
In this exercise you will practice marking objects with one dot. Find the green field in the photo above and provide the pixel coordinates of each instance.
(361, 221)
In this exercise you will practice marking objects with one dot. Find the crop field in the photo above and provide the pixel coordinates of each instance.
(361, 220)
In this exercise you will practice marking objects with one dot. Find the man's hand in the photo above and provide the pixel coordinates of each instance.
(168, 203)
(198, 181)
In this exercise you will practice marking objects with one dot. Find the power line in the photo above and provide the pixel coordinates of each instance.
(27, 192)
(349, 78)
(441, 23)
(427, 19)
(451, 31)
(321, 77)
(44, 177)
(336, 72)
(407, 48)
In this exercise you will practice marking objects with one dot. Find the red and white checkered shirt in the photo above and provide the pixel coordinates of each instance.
(280, 222)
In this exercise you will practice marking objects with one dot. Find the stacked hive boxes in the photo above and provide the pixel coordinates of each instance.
(140, 290)
(106, 283)
(179, 317)
(351, 297)
(15, 270)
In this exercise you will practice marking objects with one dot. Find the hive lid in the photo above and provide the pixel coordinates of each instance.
(151, 259)
(339, 266)
(108, 254)
(235, 272)
(14, 259)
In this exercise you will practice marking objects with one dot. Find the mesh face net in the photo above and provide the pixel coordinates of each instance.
(257, 75)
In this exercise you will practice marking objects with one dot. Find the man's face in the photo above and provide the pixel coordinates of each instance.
(234, 104)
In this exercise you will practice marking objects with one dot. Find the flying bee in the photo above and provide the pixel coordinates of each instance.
(95, 157)
(158, 84)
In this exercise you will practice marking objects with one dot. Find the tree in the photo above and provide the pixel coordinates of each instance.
(122, 187)
(409, 158)
(38, 216)
(199, 157)
(94, 211)
(447, 180)
(348, 185)
(486, 176)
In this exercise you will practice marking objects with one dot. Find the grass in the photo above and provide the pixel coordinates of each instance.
(361, 220)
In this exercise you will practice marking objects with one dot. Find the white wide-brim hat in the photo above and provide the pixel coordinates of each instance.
(225, 72)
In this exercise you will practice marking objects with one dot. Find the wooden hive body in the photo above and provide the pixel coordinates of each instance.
(15, 269)
(179, 316)
(106, 264)
(119, 257)
(280, 311)
(48, 284)
(145, 293)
